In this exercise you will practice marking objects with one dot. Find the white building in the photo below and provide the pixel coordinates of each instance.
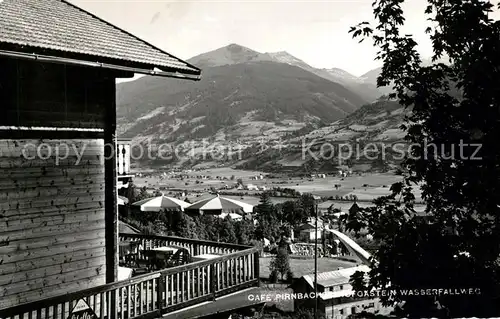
(337, 299)
(252, 187)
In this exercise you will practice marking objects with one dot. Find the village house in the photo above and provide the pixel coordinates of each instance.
(307, 231)
(336, 296)
(59, 229)
(251, 187)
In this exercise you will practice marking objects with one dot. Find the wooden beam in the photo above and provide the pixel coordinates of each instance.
(11, 134)
(110, 204)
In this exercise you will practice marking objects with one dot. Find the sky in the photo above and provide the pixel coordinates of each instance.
(314, 31)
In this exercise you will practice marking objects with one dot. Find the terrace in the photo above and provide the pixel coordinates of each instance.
(216, 276)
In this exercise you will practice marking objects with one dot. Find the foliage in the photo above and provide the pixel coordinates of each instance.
(186, 227)
(244, 231)
(307, 205)
(280, 191)
(281, 262)
(273, 276)
(305, 314)
(267, 219)
(157, 193)
(136, 194)
(298, 211)
(452, 105)
(227, 230)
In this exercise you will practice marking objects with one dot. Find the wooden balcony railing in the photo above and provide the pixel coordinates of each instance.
(123, 150)
(194, 246)
(160, 292)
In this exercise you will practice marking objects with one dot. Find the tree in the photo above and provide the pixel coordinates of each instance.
(138, 194)
(185, 226)
(291, 213)
(449, 106)
(298, 211)
(244, 231)
(267, 221)
(157, 193)
(207, 227)
(227, 231)
(281, 262)
(307, 204)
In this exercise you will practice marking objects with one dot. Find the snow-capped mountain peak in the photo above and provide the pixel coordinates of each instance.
(342, 75)
(285, 57)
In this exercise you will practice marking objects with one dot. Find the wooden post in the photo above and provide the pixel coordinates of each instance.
(212, 278)
(161, 290)
(256, 267)
(110, 205)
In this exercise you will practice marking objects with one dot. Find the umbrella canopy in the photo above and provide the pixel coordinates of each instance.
(156, 204)
(218, 205)
(122, 200)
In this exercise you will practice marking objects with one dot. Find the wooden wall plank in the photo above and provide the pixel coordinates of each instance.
(55, 201)
(52, 219)
(27, 265)
(52, 291)
(43, 272)
(40, 233)
(47, 243)
(23, 255)
(42, 220)
(51, 209)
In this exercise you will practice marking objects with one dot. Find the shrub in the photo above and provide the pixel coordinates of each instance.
(273, 277)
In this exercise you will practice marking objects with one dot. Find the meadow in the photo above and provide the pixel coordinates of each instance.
(365, 187)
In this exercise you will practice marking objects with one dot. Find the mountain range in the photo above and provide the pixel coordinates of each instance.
(365, 85)
(248, 98)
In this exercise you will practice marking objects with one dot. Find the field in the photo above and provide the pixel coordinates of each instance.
(301, 267)
(365, 187)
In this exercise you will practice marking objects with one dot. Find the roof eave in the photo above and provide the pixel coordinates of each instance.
(166, 74)
(194, 75)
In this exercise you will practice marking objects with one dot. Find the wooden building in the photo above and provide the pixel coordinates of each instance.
(58, 170)
(336, 298)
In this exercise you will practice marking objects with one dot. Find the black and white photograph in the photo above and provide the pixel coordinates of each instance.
(249, 159)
